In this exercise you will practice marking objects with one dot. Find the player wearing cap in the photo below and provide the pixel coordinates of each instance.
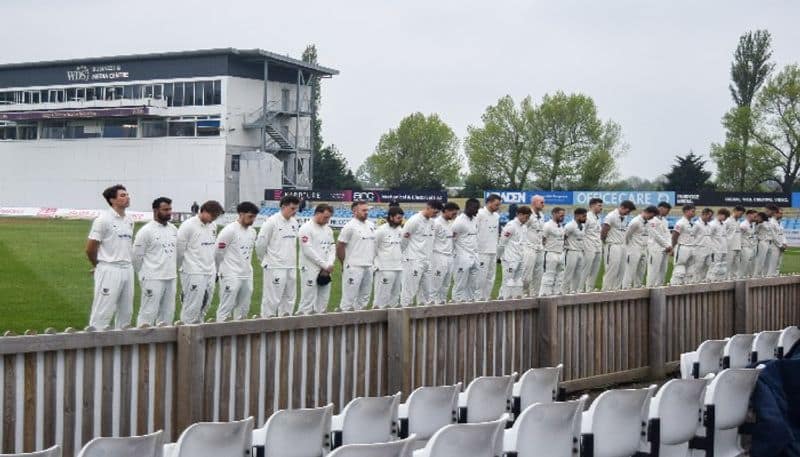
(155, 259)
(593, 244)
(389, 260)
(465, 248)
(612, 233)
(317, 257)
(488, 232)
(110, 251)
(534, 252)
(553, 241)
(575, 253)
(659, 246)
(276, 248)
(417, 247)
(637, 238)
(234, 255)
(443, 252)
(511, 249)
(197, 241)
(733, 238)
(749, 244)
(355, 248)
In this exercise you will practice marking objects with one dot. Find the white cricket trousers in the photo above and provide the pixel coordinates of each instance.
(465, 279)
(278, 292)
(416, 282)
(234, 298)
(158, 301)
(773, 263)
(718, 267)
(761, 258)
(574, 272)
(747, 265)
(553, 274)
(684, 259)
(113, 295)
(356, 287)
(388, 284)
(591, 267)
(512, 280)
(313, 297)
(733, 265)
(532, 271)
(656, 266)
(614, 260)
(487, 268)
(635, 267)
(197, 290)
(701, 266)
(442, 266)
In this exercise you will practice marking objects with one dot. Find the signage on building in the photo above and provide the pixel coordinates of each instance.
(372, 196)
(313, 195)
(86, 73)
(523, 197)
(746, 199)
(615, 197)
(74, 114)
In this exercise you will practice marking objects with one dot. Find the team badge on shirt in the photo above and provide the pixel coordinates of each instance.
(304, 239)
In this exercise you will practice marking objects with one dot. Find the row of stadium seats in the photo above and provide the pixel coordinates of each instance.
(495, 416)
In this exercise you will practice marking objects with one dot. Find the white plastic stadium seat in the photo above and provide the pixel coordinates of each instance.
(706, 359)
(483, 439)
(789, 336)
(674, 416)
(725, 406)
(612, 427)
(213, 439)
(737, 351)
(132, 446)
(537, 385)
(296, 432)
(54, 451)
(428, 409)
(764, 345)
(551, 429)
(366, 420)
(399, 448)
(486, 398)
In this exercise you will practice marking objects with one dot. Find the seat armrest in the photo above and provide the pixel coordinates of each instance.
(402, 410)
(170, 449)
(337, 422)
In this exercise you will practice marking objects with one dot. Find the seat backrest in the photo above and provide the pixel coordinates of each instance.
(677, 407)
(729, 392)
(131, 446)
(467, 440)
(369, 419)
(54, 451)
(298, 432)
(216, 439)
(539, 385)
(547, 429)
(789, 336)
(431, 408)
(709, 357)
(488, 397)
(399, 448)
(737, 350)
(764, 345)
(616, 421)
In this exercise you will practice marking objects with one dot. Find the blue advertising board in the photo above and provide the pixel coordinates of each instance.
(523, 197)
(795, 199)
(615, 197)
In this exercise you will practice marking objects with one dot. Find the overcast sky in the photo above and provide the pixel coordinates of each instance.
(659, 68)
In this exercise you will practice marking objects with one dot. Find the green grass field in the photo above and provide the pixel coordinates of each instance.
(45, 280)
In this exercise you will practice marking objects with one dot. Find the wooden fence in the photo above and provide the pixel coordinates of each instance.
(70, 387)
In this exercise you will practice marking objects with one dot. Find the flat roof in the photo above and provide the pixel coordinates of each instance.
(245, 54)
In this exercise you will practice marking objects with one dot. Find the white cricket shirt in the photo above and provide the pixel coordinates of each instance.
(388, 252)
(197, 243)
(465, 236)
(636, 235)
(317, 247)
(591, 229)
(488, 231)
(235, 250)
(553, 237)
(443, 236)
(115, 234)
(417, 237)
(513, 240)
(359, 238)
(616, 222)
(276, 244)
(658, 232)
(686, 231)
(575, 236)
(155, 251)
(733, 234)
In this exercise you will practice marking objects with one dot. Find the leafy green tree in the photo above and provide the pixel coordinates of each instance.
(334, 172)
(310, 56)
(688, 174)
(422, 153)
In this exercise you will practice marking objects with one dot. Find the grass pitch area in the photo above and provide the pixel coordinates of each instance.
(45, 279)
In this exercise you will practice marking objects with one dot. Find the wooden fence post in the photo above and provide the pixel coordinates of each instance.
(741, 318)
(399, 350)
(657, 332)
(550, 350)
(190, 366)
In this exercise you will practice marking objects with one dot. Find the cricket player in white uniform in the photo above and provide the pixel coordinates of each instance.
(637, 237)
(612, 233)
(704, 248)
(155, 260)
(197, 243)
(684, 244)
(389, 260)
(110, 251)
(443, 252)
(593, 244)
(659, 245)
(749, 244)
(317, 258)
(234, 256)
(418, 234)
(356, 250)
(488, 233)
(778, 246)
(465, 247)
(276, 248)
(764, 238)
(534, 252)
(553, 241)
(511, 249)
(575, 253)
(718, 269)
(733, 238)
